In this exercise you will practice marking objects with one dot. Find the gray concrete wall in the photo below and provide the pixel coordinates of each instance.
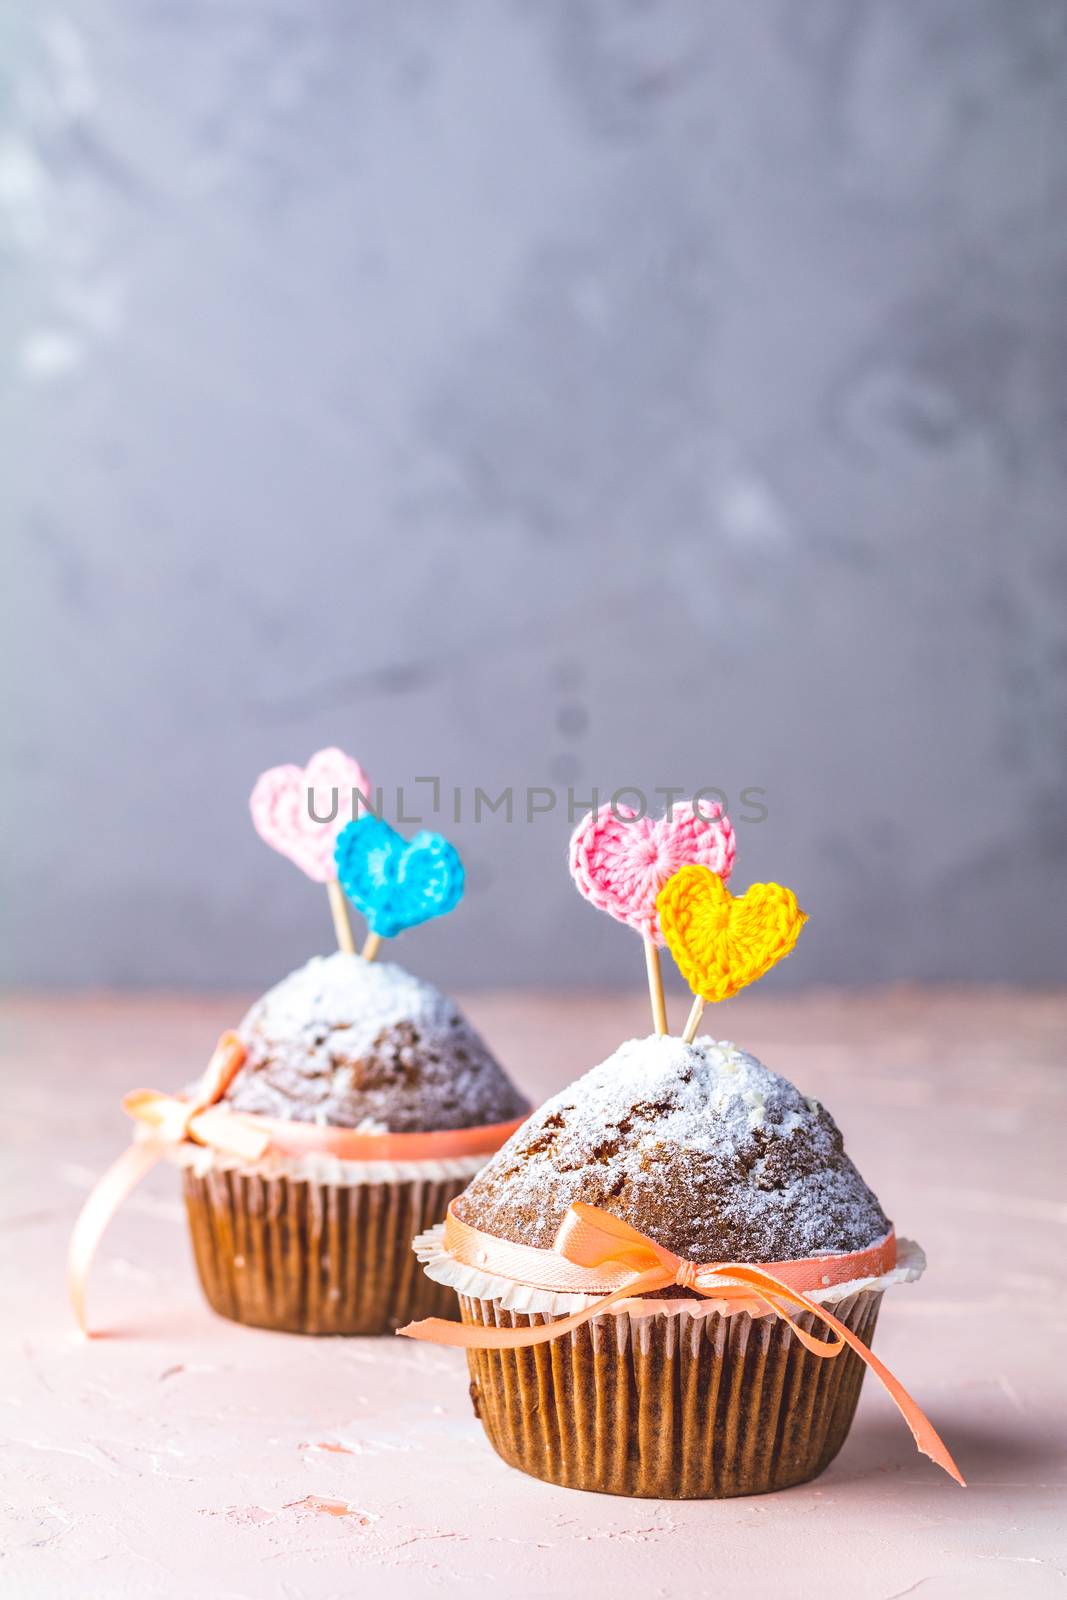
(554, 394)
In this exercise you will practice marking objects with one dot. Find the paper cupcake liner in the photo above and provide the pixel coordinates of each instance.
(289, 1250)
(321, 1168)
(442, 1266)
(680, 1405)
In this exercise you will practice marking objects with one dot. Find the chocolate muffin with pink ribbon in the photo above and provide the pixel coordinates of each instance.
(348, 1107)
(669, 1276)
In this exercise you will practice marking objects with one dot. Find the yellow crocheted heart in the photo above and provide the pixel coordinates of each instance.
(720, 942)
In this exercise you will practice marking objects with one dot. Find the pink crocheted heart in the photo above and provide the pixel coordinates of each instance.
(282, 816)
(620, 862)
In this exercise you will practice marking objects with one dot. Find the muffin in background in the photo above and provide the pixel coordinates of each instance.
(351, 1106)
(312, 1242)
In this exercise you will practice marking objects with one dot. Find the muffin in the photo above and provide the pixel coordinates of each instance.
(707, 1152)
(343, 1055)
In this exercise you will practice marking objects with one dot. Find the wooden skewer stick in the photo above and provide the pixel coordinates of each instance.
(371, 945)
(341, 925)
(655, 986)
(693, 1022)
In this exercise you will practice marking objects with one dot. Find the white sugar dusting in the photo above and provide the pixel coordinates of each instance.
(717, 1094)
(359, 1044)
(700, 1144)
(342, 991)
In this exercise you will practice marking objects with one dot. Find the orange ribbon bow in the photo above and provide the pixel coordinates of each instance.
(169, 1121)
(593, 1251)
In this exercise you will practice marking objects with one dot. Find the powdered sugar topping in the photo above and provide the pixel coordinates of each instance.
(339, 991)
(366, 1045)
(701, 1146)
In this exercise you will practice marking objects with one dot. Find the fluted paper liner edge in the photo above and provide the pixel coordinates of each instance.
(439, 1264)
(669, 1405)
(289, 1252)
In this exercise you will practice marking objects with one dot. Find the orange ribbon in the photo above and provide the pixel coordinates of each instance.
(594, 1252)
(171, 1120)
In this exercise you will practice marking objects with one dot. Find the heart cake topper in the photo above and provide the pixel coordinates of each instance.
(620, 861)
(283, 816)
(397, 884)
(721, 943)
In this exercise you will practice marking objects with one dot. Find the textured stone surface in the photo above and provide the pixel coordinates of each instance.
(187, 1455)
(536, 394)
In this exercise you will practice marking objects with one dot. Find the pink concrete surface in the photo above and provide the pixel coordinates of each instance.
(182, 1455)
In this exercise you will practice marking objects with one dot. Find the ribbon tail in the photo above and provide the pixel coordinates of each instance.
(120, 1179)
(772, 1291)
(927, 1440)
(472, 1336)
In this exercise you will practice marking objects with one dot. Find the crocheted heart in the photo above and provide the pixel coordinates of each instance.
(397, 885)
(621, 862)
(721, 943)
(282, 815)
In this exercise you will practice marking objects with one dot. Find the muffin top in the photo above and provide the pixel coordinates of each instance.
(359, 1044)
(699, 1146)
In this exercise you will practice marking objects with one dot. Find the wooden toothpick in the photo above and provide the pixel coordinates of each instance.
(655, 986)
(371, 946)
(693, 1022)
(341, 925)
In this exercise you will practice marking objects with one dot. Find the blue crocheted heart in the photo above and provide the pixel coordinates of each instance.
(393, 883)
